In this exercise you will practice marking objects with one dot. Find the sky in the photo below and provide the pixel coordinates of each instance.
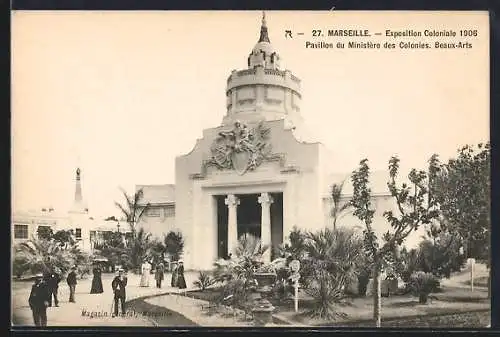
(121, 94)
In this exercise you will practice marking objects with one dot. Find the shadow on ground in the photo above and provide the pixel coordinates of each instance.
(159, 315)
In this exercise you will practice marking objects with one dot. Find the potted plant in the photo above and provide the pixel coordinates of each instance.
(265, 276)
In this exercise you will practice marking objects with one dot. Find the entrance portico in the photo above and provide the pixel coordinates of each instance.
(250, 214)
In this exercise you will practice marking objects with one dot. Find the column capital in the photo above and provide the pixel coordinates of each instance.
(232, 200)
(265, 198)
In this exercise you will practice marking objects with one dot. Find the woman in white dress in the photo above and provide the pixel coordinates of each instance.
(145, 273)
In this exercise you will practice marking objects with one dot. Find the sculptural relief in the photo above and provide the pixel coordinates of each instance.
(241, 148)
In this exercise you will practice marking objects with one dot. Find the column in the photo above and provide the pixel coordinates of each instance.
(265, 201)
(232, 203)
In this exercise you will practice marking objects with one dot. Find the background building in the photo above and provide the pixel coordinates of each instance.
(86, 229)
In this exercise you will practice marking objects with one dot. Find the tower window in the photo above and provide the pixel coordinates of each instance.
(78, 233)
(20, 231)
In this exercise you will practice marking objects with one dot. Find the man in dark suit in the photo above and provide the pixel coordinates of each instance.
(71, 280)
(119, 283)
(39, 300)
(53, 280)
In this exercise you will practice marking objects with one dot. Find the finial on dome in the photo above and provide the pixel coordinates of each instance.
(263, 29)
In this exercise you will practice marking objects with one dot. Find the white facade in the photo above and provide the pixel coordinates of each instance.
(219, 171)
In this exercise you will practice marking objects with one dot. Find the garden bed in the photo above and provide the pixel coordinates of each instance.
(403, 310)
(208, 295)
(471, 319)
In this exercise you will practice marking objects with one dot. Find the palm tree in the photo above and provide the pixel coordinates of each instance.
(295, 249)
(174, 244)
(333, 260)
(133, 209)
(39, 255)
(247, 259)
(64, 238)
(238, 274)
(338, 208)
(139, 247)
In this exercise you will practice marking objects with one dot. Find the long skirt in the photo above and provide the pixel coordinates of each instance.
(96, 285)
(173, 282)
(181, 281)
(144, 280)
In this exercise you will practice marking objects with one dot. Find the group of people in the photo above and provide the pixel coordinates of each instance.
(178, 280)
(46, 287)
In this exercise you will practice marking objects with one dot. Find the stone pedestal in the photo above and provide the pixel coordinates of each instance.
(263, 309)
(262, 313)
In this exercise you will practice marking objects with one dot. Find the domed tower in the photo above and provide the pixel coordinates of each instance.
(263, 91)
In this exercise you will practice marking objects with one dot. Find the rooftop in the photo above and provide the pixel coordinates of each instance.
(157, 194)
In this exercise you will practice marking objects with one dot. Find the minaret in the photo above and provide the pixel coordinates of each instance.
(78, 188)
(263, 91)
(78, 205)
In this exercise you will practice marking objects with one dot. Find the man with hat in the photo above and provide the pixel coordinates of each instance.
(71, 280)
(119, 283)
(39, 300)
(52, 280)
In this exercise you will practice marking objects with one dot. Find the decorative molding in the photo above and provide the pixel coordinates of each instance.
(232, 200)
(265, 199)
(241, 149)
(290, 169)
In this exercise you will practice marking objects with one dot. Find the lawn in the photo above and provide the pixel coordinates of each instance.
(479, 281)
(452, 307)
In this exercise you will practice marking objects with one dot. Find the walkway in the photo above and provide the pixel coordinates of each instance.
(90, 309)
(460, 279)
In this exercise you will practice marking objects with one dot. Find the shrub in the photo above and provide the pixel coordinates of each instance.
(326, 290)
(20, 265)
(363, 280)
(238, 274)
(441, 256)
(174, 244)
(204, 280)
(422, 285)
(408, 262)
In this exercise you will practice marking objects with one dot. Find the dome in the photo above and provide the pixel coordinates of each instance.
(266, 47)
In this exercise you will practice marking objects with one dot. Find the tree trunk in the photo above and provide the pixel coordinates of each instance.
(377, 298)
(422, 298)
